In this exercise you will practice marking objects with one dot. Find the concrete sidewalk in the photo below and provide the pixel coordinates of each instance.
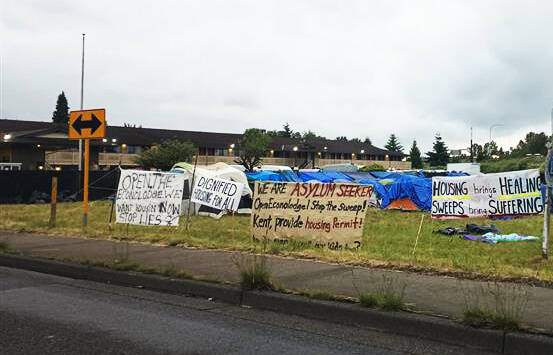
(439, 295)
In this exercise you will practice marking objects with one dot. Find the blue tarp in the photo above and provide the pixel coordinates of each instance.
(320, 176)
(289, 176)
(266, 175)
(386, 174)
(360, 176)
(337, 175)
(323, 176)
(263, 176)
(419, 190)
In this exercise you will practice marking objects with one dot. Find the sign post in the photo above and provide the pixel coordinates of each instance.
(86, 125)
(548, 173)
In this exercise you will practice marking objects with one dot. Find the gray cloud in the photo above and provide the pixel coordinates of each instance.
(338, 68)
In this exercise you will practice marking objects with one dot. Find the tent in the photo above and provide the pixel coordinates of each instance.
(403, 191)
(218, 170)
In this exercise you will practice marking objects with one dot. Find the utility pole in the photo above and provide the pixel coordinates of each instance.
(82, 102)
(471, 155)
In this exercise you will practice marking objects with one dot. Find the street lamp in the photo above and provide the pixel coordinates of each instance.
(295, 149)
(490, 144)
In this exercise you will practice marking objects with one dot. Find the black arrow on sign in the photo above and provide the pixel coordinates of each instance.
(93, 124)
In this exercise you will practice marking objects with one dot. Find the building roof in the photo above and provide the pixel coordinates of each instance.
(27, 131)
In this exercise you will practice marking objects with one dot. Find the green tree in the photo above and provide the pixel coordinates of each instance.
(393, 144)
(533, 143)
(253, 146)
(61, 114)
(415, 156)
(478, 152)
(166, 155)
(368, 141)
(342, 138)
(490, 149)
(439, 156)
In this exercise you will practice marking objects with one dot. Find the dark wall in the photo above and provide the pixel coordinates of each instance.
(29, 156)
(35, 186)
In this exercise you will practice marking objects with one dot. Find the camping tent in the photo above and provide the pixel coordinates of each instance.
(218, 170)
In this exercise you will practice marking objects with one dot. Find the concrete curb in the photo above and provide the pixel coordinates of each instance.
(395, 322)
(519, 343)
(432, 328)
(224, 293)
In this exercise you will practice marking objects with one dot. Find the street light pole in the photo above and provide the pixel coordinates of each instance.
(490, 144)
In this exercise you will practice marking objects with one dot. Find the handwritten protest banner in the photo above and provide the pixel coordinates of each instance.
(501, 194)
(217, 193)
(149, 198)
(329, 215)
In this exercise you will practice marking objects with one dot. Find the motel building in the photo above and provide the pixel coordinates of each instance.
(35, 145)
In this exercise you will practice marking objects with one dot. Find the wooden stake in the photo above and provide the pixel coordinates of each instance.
(111, 213)
(191, 190)
(53, 202)
(418, 233)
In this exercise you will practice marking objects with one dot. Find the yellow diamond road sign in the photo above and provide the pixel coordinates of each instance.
(87, 124)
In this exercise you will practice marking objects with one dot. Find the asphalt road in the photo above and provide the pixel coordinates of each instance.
(45, 314)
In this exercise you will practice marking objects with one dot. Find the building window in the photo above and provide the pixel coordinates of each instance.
(220, 152)
(134, 149)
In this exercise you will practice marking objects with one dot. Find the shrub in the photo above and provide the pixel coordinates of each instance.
(372, 167)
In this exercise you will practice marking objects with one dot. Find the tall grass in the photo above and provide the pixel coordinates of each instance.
(388, 240)
(497, 305)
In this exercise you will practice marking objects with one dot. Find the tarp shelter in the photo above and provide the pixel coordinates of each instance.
(218, 170)
(324, 176)
(402, 191)
(263, 175)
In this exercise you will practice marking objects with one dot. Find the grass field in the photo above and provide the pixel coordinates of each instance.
(389, 238)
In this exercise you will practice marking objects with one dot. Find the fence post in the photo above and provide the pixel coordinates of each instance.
(53, 202)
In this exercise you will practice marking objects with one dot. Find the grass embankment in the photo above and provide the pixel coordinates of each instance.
(389, 237)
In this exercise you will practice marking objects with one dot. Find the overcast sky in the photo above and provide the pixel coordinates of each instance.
(353, 68)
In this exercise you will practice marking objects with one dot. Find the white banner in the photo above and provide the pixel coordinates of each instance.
(320, 215)
(149, 198)
(502, 194)
(217, 193)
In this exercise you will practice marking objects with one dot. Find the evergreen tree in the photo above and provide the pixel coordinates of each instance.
(287, 132)
(61, 115)
(368, 141)
(415, 156)
(393, 144)
(440, 156)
